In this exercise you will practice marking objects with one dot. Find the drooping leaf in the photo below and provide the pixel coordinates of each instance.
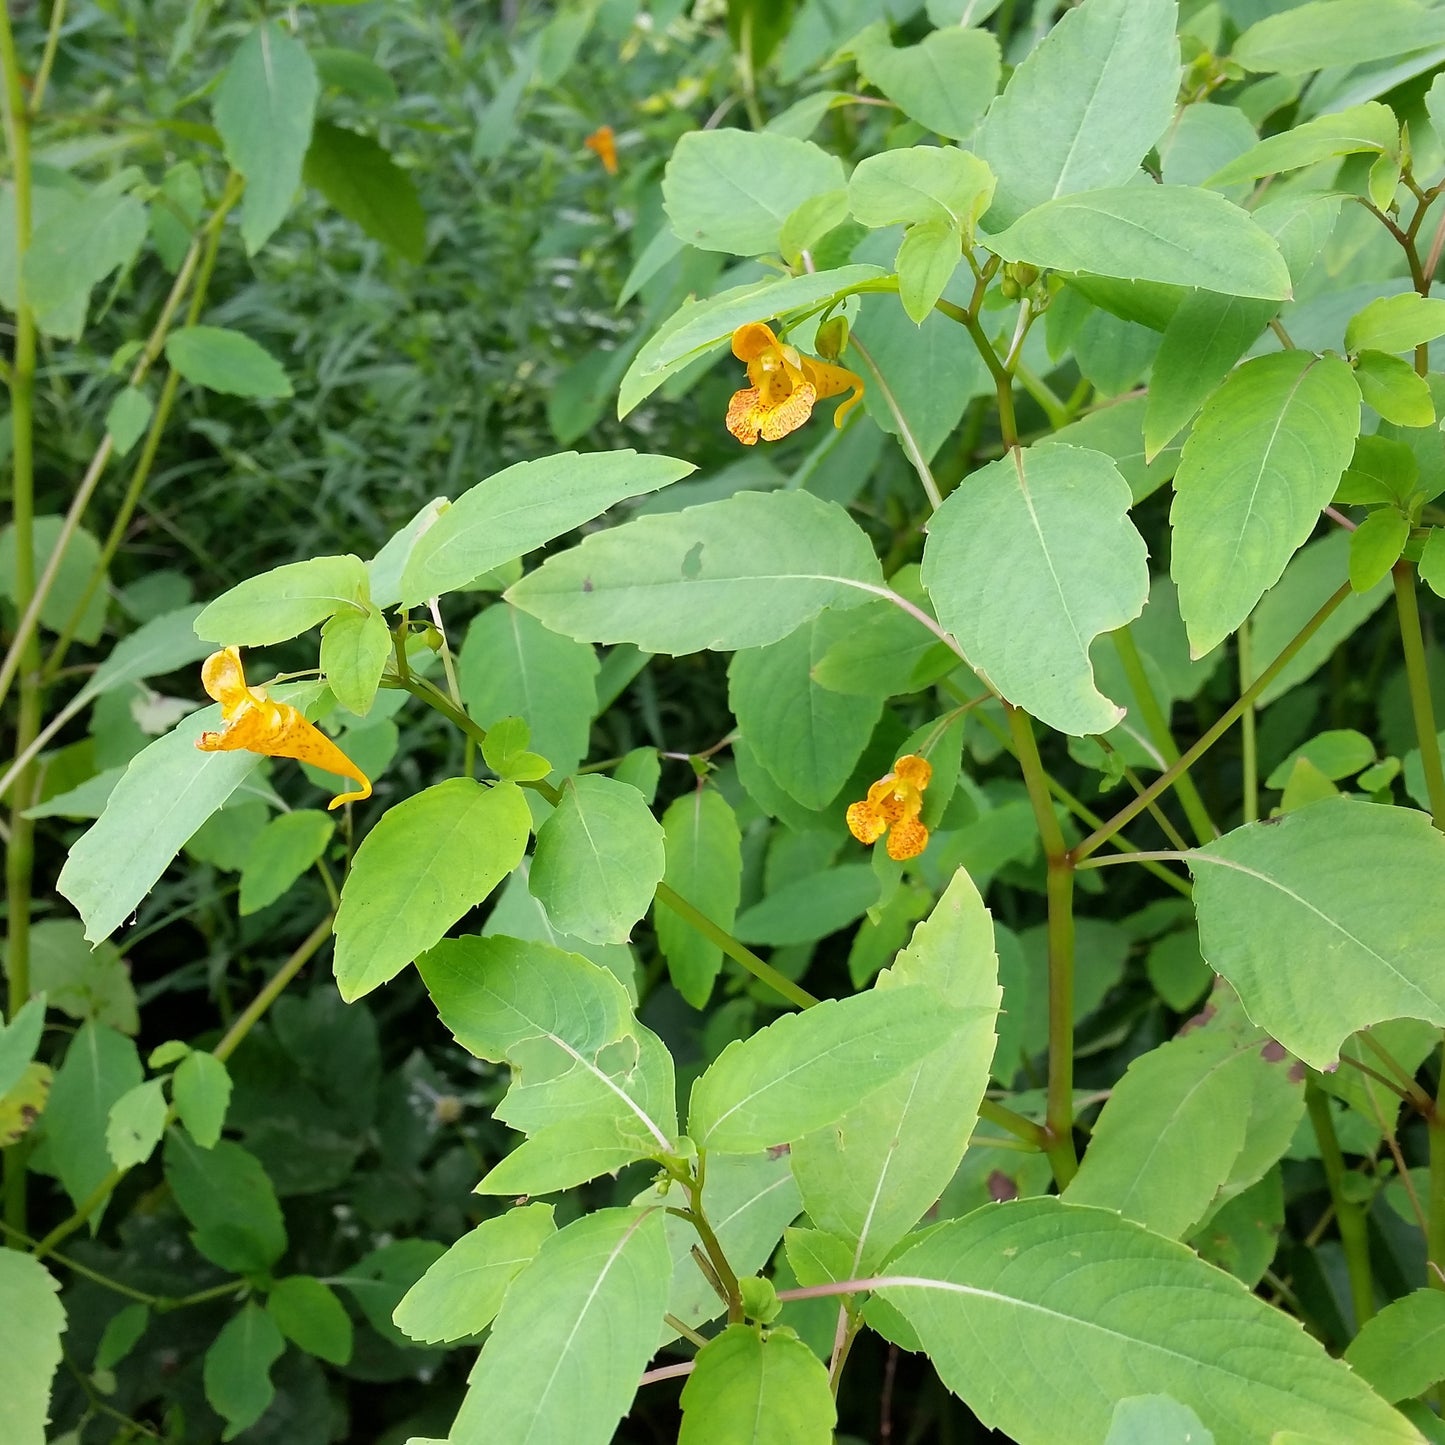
(31, 1322)
(1315, 946)
(742, 1379)
(741, 572)
(429, 859)
(308, 1313)
(362, 181)
(135, 1123)
(229, 1200)
(703, 851)
(19, 1039)
(1029, 560)
(573, 1335)
(226, 361)
(1043, 1348)
(1107, 77)
(237, 1369)
(1262, 461)
(520, 509)
(201, 1092)
(100, 1066)
(264, 108)
(355, 648)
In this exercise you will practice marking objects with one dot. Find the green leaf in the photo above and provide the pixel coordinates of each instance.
(100, 1066)
(84, 982)
(808, 738)
(703, 851)
(523, 507)
(573, 1336)
(1369, 128)
(72, 578)
(1361, 937)
(127, 417)
(870, 1177)
(1107, 77)
(362, 181)
(702, 326)
(20, 1039)
(237, 1369)
(284, 602)
(356, 74)
(226, 361)
(927, 258)
(1262, 461)
(31, 1322)
(160, 645)
(1175, 1126)
(742, 1378)
(1177, 235)
(1039, 545)
(1375, 547)
(1308, 582)
(284, 849)
(201, 1090)
(81, 241)
(264, 108)
(811, 907)
(1337, 753)
(1391, 386)
(512, 666)
(228, 1198)
(355, 648)
(731, 190)
(1044, 1349)
(1156, 1420)
(378, 1281)
(741, 572)
(806, 1070)
(309, 1314)
(462, 1292)
(505, 752)
(598, 860)
(1401, 1351)
(1432, 562)
(921, 183)
(430, 858)
(135, 1124)
(945, 82)
(1337, 32)
(1396, 323)
(122, 1331)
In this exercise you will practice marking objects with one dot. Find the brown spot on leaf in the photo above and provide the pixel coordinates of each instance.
(1199, 1019)
(586, 584)
(1001, 1188)
(1273, 1052)
(1297, 1072)
(779, 1151)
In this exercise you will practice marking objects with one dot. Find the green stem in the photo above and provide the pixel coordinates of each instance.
(1158, 727)
(1417, 674)
(20, 852)
(727, 1275)
(1249, 744)
(47, 58)
(1348, 1215)
(1059, 1112)
(1002, 380)
(1227, 720)
(1435, 1209)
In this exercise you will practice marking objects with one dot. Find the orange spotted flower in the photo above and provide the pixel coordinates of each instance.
(892, 806)
(603, 144)
(784, 386)
(255, 724)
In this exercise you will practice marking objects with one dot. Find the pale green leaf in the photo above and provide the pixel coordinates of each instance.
(741, 572)
(127, 417)
(703, 851)
(226, 361)
(100, 1066)
(283, 850)
(355, 648)
(19, 1040)
(160, 645)
(80, 562)
(1043, 1347)
(1369, 127)
(731, 190)
(284, 602)
(201, 1091)
(264, 107)
(135, 1124)
(1401, 1351)
(1375, 547)
(1156, 1420)
(309, 1314)
(742, 1379)
(1337, 32)
(920, 183)
(945, 82)
(461, 1293)
(927, 258)
(1337, 753)
(599, 859)
(520, 509)
(362, 181)
(31, 1323)
(430, 858)
(1360, 941)
(1396, 323)
(573, 1335)
(1392, 386)
(1027, 562)
(806, 1070)
(1262, 461)
(80, 242)
(1107, 77)
(237, 1368)
(1176, 235)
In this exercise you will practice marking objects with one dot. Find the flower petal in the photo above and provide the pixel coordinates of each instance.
(865, 822)
(829, 380)
(913, 769)
(745, 415)
(224, 679)
(907, 839)
(787, 417)
(751, 339)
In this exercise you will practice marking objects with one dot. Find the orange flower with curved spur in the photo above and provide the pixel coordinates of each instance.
(252, 723)
(603, 144)
(785, 384)
(892, 806)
